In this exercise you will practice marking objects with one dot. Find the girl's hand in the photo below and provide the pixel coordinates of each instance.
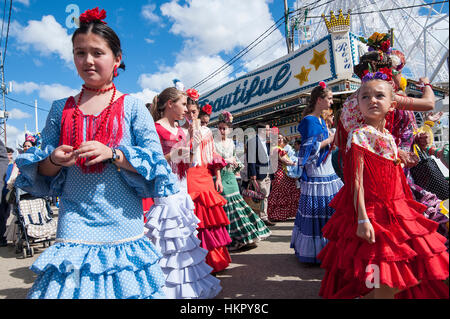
(218, 185)
(365, 231)
(64, 155)
(422, 139)
(97, 150)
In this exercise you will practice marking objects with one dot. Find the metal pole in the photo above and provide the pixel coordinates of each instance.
(36, 116)
(3, 93)
(286, 22)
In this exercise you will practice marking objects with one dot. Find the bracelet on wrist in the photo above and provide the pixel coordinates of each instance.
(51, 161)
(363, 221)
(425, 85)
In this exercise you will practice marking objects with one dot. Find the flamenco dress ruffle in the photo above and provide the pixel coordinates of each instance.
(245, 225)
(408, 253)
(100, 250)
(212, 230)
(172, 228)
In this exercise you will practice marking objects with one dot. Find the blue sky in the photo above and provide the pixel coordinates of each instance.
(161, 40)
(156, 41)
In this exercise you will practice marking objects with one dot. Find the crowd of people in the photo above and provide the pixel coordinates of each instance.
(150, 203)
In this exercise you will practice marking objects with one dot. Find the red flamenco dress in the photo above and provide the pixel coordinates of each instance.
(208, 202)
(284, 195)
(408, 252)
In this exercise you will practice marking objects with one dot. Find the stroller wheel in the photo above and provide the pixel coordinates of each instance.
(28, 252)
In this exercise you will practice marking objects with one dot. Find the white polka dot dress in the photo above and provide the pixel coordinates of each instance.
(101, 251)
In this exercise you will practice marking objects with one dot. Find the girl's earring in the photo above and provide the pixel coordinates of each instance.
(115, 72)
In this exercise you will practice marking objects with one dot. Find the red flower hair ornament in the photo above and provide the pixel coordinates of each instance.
(193, 94)
(322, 85)
(93, 15)
(207, 109)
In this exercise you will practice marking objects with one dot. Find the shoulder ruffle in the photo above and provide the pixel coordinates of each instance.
(142, 148)
(29, 178)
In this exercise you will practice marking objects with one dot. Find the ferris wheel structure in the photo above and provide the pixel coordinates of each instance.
(421, 29)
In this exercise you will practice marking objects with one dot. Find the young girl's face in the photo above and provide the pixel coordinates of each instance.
(223, 129)
(375, 100)
(192, 112)
(204, 120)
(94, 60)
(326, 102)
(178, 108)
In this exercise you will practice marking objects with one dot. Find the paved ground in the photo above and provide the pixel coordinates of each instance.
(269, 271)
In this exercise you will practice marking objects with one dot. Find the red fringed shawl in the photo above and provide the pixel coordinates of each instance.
(106, 128)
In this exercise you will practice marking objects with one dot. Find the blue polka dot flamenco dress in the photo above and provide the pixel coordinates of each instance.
(101, 251)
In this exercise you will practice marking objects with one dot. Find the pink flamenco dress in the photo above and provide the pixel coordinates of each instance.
(212, 229)
(408, 253)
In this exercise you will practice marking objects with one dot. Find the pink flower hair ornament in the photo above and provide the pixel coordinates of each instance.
(323, 85)
(226, 117)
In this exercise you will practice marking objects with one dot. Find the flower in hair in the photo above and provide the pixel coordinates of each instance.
(226, 117)
(382, 74)
(30, 138)
(207, 109)
(193, 94)
(93, 15)
(322, 85)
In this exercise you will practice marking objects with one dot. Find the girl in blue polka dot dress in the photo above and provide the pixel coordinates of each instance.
(101, 155)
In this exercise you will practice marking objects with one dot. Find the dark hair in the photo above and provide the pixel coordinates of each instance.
(9, 150)
(104, 31)
(375, 61)
(297, 141)
(192, 102)
(317, 92)
(32, 143)
(202, 113)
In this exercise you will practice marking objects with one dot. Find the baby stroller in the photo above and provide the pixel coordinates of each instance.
(35, 222)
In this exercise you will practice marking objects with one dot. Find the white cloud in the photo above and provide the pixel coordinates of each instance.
(17, 114)
(48, 92)
(150, 41)
(148, 14)
(146, 95)
(187, 71)
(15, 137)
(47, 37)
(213, 26)
(24, 2)
(210, 28)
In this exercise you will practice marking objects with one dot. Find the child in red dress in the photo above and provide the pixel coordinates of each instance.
(380, 244)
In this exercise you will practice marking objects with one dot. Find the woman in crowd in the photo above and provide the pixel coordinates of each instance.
(245, 228)
(173, 232)
(319, 182)
(284, 195)
(206, 163)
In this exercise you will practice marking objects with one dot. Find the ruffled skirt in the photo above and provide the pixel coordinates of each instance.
(116, 271)
(313, 213)
(245, 225)
(172, 229)
(284, 197)
(212, 230)
(408, 253)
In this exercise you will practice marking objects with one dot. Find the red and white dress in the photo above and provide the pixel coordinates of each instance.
(284, 195)
(208, 202)
(408, 253)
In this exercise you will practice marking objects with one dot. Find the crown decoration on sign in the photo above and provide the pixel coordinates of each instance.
(340, 24)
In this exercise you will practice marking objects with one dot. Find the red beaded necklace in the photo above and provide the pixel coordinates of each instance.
(77, 113)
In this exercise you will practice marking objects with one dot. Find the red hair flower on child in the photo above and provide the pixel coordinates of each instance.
(93, 15)
(323, 85)
(207, 109)
(193, 94)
